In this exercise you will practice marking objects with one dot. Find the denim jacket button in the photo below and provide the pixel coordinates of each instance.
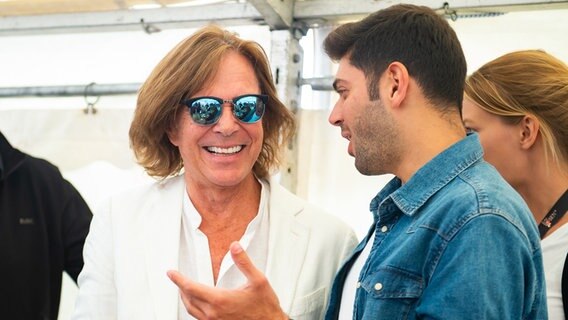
(358, 284)
(384, 229)
(378, 286)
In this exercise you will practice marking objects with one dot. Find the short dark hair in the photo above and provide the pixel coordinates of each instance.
(412, 35)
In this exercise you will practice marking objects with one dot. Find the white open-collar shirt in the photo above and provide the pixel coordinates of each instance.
(195, 257)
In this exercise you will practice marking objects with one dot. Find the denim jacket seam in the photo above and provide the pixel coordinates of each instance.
(484, 207)
(517, 224)
(448, 237)
(448, 233)
(480, 194)
(538, 302)
(437, 256)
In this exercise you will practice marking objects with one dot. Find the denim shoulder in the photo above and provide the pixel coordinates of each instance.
(479, 190)
(495, 196)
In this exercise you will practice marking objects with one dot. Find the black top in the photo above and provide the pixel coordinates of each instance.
(43, 225)
(1, 162)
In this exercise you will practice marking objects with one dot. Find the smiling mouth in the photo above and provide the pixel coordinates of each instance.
(219, 150)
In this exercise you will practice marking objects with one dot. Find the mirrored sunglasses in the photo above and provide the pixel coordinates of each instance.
(247, 108)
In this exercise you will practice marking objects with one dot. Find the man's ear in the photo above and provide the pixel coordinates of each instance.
(396, 83)
(530, 127)
(173, 135)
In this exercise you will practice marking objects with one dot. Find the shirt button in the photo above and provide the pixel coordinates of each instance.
(378, 286)
(358, 285)
(384, 229)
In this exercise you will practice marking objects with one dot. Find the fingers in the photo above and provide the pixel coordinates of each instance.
(191, 307)
(186, 289)
(244, 263)
(177, 278)
(255, 300)
(190, 288)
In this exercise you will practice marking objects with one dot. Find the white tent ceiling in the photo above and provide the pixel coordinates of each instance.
(65, 16)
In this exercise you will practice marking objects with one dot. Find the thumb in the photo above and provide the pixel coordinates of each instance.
(243, 262)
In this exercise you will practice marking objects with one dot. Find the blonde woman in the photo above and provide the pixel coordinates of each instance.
(518, 104)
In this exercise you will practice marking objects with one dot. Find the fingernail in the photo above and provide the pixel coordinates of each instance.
(236, 247)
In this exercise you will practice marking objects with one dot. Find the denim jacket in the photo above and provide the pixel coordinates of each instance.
(454, 242)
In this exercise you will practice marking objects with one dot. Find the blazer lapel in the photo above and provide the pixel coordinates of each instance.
(162, 237)
(288, 242)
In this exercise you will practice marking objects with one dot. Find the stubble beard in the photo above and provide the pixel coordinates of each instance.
(377, 147)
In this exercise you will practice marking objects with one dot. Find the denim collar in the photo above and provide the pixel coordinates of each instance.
(433, 176)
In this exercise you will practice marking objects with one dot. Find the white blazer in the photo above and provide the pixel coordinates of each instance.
(135, 239)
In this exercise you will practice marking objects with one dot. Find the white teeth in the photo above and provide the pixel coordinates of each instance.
(230, 150)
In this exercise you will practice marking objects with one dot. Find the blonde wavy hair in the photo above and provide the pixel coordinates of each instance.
(522, 83)
(181, 73)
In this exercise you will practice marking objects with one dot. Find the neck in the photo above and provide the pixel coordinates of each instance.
(225, 204)
(542, 191)
(225, 214)
(427, 137)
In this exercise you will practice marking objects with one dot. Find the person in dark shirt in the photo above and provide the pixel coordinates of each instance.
(43, 225)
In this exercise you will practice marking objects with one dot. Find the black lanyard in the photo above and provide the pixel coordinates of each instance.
(554, 215)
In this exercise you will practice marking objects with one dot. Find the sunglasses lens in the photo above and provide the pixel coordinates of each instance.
(205, 111)
(249, 109)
